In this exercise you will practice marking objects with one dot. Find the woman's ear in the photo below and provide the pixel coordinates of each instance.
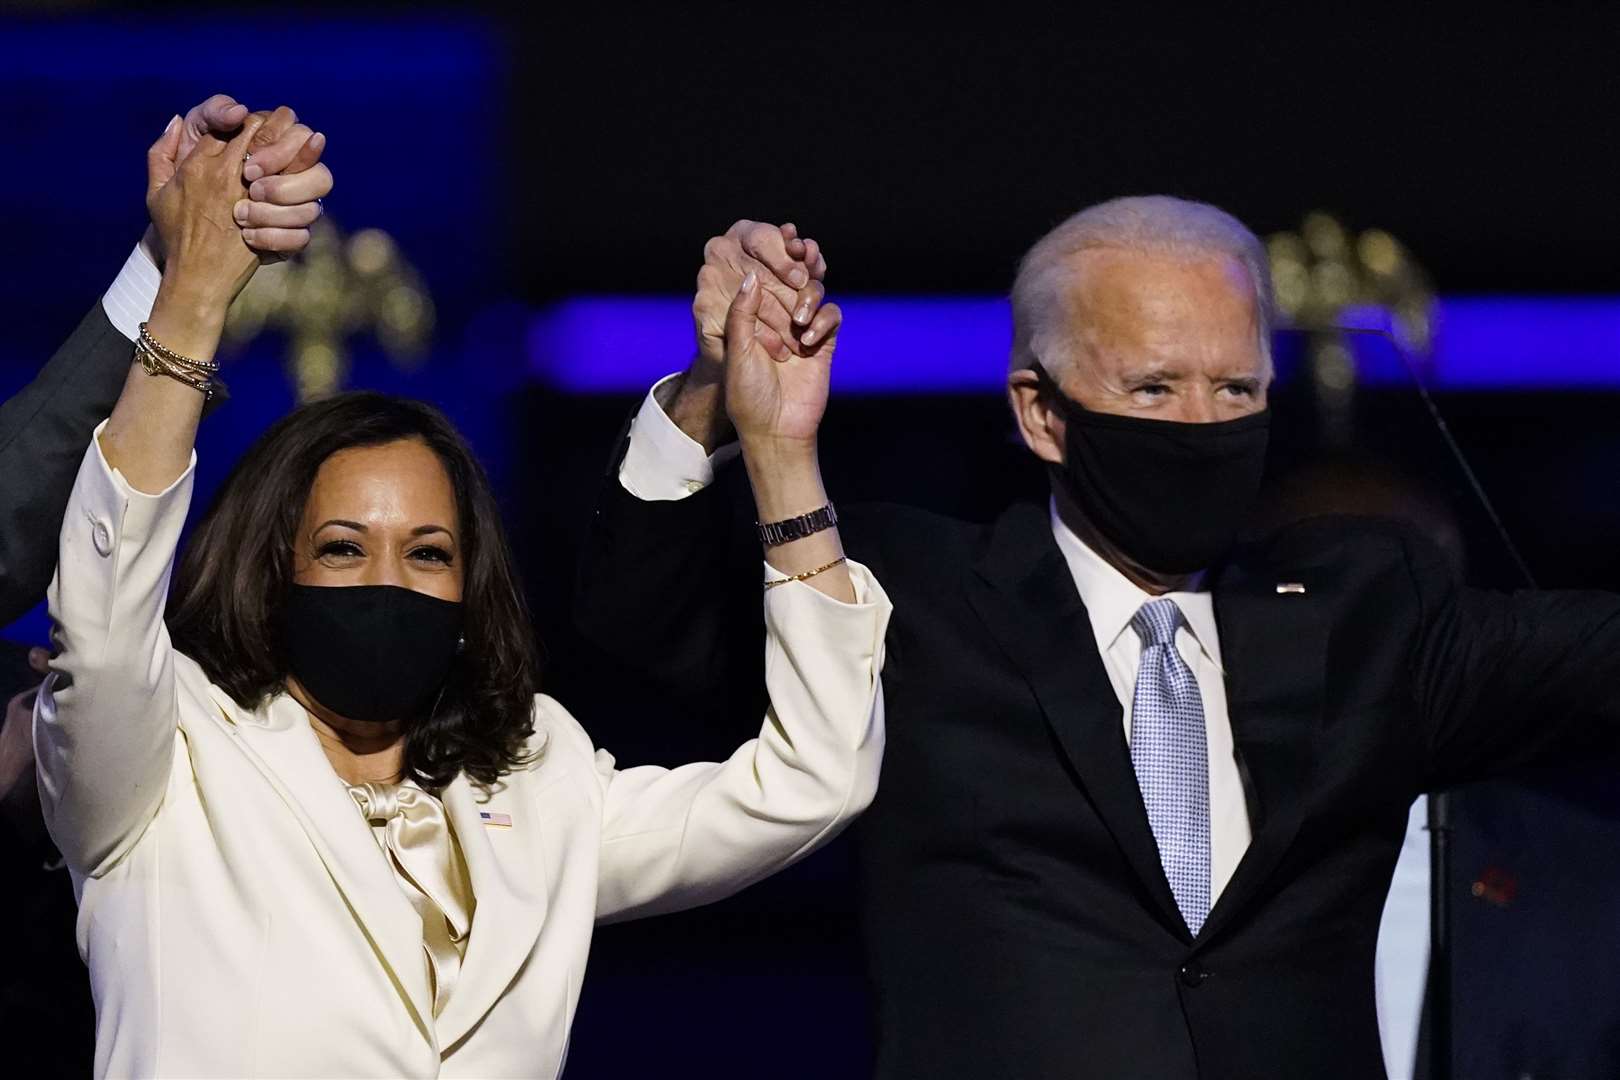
(1040, 425)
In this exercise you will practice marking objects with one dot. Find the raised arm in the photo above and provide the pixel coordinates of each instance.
(46, 426)
(105, 722)
(676, 838)
(668, 582)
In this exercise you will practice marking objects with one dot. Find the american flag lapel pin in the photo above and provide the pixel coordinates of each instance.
(1290, 588)
(495, 820)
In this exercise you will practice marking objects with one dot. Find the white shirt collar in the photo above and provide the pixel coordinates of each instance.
(1112, 599)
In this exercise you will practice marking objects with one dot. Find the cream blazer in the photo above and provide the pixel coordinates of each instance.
(239, 919)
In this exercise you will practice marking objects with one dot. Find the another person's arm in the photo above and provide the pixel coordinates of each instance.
(1510, 680)
(104, 728)
(676, 838)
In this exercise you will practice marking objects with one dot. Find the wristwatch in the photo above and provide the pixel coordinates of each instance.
(796, 528)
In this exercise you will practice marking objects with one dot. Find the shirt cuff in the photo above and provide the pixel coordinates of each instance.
(129, 302)
(663, 463)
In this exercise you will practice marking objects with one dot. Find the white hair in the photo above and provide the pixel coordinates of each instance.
(1152, 224)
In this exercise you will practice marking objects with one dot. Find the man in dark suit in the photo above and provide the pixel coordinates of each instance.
(1145, 786)
(45, 1010)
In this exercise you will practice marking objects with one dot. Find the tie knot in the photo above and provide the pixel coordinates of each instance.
(1157, 621)
(382, 802)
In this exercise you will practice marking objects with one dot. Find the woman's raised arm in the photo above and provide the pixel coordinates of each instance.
(105, 722)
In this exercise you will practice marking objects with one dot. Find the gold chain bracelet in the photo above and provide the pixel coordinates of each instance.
(808, 574)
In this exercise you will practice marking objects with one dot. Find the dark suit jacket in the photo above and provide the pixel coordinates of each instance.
(44, 430)
(1017, 921)
(46, 1014)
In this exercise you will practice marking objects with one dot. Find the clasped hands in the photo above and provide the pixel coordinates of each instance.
(282, 175)
(763, 361)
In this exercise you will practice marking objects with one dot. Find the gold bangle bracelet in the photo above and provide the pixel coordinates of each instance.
(206, 367)
(808, 574)
(156, 364)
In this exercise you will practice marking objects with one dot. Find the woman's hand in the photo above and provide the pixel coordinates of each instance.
(149, 436)
(192, 205)
(776, 400)
(773, 394)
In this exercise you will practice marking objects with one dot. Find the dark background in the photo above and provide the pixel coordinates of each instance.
(520, 159)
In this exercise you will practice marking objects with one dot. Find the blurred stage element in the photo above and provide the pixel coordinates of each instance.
(1327, 277)
(341, 286)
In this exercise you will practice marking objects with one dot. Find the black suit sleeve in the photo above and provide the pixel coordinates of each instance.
(44, 430)
(1508, 680)
(671, 589)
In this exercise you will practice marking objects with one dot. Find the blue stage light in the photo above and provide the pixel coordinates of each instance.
(612, 344)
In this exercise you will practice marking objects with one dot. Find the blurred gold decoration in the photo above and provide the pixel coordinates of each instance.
(1322, 270)
(1325, 276)
(339, 287)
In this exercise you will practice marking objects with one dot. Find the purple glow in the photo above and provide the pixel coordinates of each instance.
(623, 344)
(1508, 342)
(888, 344)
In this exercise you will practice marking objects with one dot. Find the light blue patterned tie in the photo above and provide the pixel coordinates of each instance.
(1171, 757)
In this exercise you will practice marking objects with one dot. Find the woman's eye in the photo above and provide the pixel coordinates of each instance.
(432, 554)
(340, 548)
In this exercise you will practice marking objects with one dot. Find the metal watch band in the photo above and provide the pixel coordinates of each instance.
(797, 528)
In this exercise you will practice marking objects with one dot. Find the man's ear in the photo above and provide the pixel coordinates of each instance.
(1040, 425)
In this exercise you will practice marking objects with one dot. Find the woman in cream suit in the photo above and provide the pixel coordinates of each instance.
(320, 820)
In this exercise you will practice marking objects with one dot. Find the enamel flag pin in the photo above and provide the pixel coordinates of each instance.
(494, 820)
(1290, 588)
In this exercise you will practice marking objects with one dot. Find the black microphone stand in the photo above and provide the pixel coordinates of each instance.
(1437, 1000)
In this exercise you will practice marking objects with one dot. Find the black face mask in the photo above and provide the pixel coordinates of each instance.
(370, 652)
(1170, 495)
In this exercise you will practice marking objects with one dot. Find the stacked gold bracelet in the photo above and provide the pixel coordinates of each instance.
(158, 359)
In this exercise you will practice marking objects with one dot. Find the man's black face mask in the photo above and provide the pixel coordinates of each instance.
(1171, 496)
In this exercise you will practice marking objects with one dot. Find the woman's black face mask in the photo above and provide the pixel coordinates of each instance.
(370, 652)
(1171, 496)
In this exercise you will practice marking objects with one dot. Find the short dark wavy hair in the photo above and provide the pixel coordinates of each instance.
(232, 581)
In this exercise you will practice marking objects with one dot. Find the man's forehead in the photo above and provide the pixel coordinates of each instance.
(1150, 279)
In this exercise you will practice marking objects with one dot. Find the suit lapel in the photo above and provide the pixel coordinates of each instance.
(1274, 646)
(1023, 590)
(281, 742)
(507, 867)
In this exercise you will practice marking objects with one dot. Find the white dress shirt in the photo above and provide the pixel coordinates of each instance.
(663, 464)
(128, 303)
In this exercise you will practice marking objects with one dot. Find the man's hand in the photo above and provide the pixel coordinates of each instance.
(790, 270)
(17, 732)
(286, 185)
(283, 167)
